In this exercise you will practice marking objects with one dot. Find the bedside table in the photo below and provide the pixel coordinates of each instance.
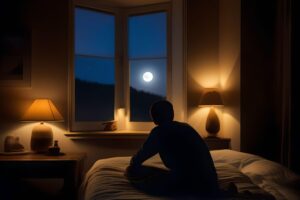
(217, 143)
(68, 167)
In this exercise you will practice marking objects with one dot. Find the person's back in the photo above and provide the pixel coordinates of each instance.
(181, 149)
(184, 152)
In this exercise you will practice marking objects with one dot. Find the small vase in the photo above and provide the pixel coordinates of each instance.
(54, 150)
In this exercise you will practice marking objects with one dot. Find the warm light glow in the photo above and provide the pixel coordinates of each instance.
(147, 76)
(197, 119)
(121, 119)
(209, 81)
(42, 110)
(208, 77)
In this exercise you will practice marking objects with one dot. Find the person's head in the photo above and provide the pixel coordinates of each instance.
(161, 112)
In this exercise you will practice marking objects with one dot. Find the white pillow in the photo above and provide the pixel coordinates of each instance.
(271, 176)
(270, 170)
(274, 178)
(235, 158)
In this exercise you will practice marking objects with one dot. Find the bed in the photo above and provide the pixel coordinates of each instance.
(253, 176)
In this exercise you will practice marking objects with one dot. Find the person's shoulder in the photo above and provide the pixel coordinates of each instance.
(182, 124)
(155, 130)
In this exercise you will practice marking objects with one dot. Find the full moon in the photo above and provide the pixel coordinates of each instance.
(147, 76)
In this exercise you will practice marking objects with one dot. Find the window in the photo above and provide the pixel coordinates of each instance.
(98, 49)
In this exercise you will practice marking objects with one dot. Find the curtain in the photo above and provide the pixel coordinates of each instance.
(284, 66)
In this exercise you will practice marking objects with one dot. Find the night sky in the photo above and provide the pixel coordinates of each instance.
(95, 43)
(95, 49)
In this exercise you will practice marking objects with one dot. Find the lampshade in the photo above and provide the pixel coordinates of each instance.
(211, 98)
(42, 110)
(42, 135)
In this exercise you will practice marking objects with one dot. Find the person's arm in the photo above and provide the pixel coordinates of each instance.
(149, 149)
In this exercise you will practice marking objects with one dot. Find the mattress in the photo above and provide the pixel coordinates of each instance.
(253, 176)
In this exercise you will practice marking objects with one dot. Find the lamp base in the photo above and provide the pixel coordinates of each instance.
(41, 138)
(212, 123)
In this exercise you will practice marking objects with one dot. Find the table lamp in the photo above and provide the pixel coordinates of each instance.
(212, 99)
(42, 135)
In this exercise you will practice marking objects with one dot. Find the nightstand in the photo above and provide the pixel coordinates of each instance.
(215, 143)
(68, 167)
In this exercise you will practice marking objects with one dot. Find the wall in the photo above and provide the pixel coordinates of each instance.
(213, 61)
(229, 63)
(202, 56)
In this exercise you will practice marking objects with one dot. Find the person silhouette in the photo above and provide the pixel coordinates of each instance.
(184, 153)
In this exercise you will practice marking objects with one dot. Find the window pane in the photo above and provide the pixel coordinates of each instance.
(147, 35)
(94, 33)
(94, 69)
(94, 89)
(148, 80)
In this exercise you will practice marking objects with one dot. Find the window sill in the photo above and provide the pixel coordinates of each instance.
(108, 135)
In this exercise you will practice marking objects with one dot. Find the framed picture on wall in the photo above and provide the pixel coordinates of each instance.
(15, 45)
(15, 61)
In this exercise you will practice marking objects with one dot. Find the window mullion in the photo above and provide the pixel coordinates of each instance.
(119, 92)
(125, 62)
(149, 58)
(95, 56)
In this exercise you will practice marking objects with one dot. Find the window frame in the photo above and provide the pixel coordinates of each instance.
(163, 7)
(92, 5)
(122, 73)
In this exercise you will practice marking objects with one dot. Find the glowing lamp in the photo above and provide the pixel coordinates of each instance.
(42, 135)
(212, 99)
